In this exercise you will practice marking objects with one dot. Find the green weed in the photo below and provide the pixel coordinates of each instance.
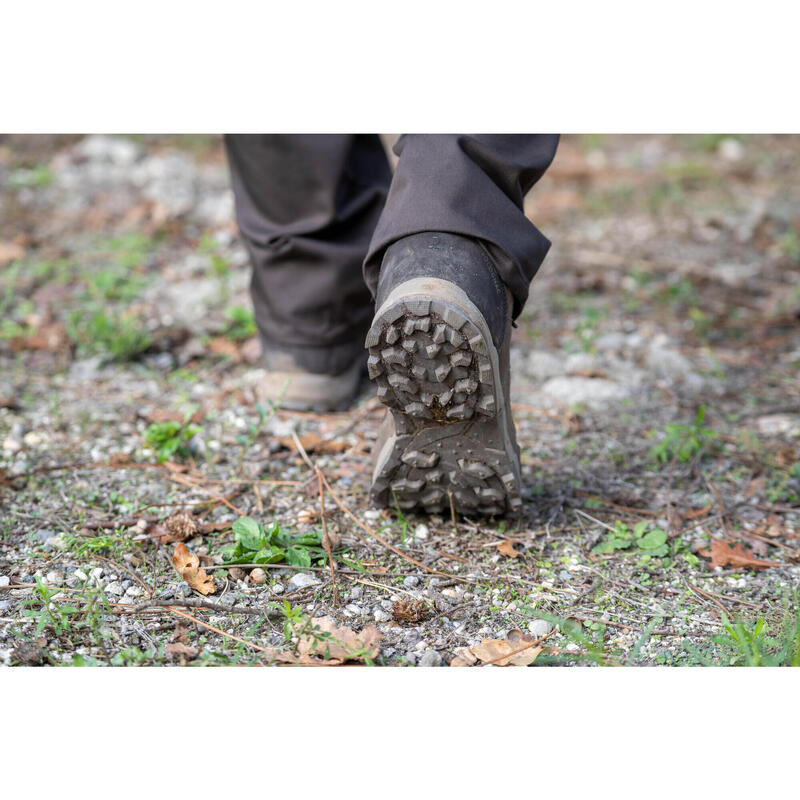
(170, 438)
(684, 442)
(241, 323)
(257, 544)
(119, 337)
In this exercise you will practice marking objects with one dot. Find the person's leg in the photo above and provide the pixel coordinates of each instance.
(450, 263)
(307, 206)
(474, 186)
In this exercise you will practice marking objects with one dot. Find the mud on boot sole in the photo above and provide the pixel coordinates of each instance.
(437, 370)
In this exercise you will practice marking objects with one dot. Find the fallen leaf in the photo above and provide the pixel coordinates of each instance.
(507, 549)
(188, 566)
(51, 337)
(330, 641)
(723, 555)
(516, 649)
(464, 658)
(10, 251)
(312, 443)
(220, 346)
(180, 649)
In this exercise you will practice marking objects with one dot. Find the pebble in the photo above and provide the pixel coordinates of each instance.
(430, 658)
(4, 580)
(421, 532)
(4, 605)
(134, 591)
(43, 534)
(115, 587)
(258, 576)
(372, 515)
(380, 615)
(302, 579)
(55, 577)
(80, 575)
(539, 627)
(354, 609)
(277, 588)
(411, 581)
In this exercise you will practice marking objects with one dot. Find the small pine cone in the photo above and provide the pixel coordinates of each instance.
(308, 516)
(180, 526)
(410, 611)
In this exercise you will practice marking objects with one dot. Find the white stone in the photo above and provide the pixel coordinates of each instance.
(4, 580)
(592, 392)
(542, 364)
(380, 615)
(301, 580)
(539, 627)
(430, 658)
(80, 575)
(421, 531)
(55, 577)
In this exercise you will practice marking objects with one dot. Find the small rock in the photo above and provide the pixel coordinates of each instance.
(57, 543)
(54, 577)
(277, 588)
(542, 365)
(572, 647)
(80, 575)
(592, 392)
(4, 580)
(4, 605)
(258, 576)
(379, 615)
(115, 587)
(421, 532)
(539, 628)
(373, 515)
(730, 150)
(411, 582)
(134, 591)
(430, 658)
(302, 579)
(43, 534)
(354, 609)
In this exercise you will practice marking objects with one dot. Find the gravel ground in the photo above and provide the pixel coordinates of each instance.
(672, 287)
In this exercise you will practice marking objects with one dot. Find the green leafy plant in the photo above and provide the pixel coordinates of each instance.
(258, 544)
(754, 643)
(119, 337)
(651, 542)
(684, 442)
(170, 438)
(241, 323)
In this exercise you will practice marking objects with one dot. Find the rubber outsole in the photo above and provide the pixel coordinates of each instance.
(437, 371)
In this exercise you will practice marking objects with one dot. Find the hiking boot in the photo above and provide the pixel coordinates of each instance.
(299, 379)
(439, 354)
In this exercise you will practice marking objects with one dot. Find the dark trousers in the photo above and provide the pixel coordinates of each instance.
(315, 210)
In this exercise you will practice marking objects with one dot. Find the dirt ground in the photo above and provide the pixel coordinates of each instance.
(656, 389)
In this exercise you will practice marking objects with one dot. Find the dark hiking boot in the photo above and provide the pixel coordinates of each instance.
(438, 352)
(299, 378)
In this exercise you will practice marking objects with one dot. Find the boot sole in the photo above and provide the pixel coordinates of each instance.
(438, 372)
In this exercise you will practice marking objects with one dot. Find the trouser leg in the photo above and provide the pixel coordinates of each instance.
(473, 185)
(307, 206)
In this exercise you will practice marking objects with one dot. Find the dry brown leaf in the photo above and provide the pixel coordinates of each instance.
(464, 658)
(516, 649)
(188, 566)
(312, 443)
(51, 337)
(220, 346)
(723, 555)
(180, 649)
(10, 251)
(329, 641)
(507, 549)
